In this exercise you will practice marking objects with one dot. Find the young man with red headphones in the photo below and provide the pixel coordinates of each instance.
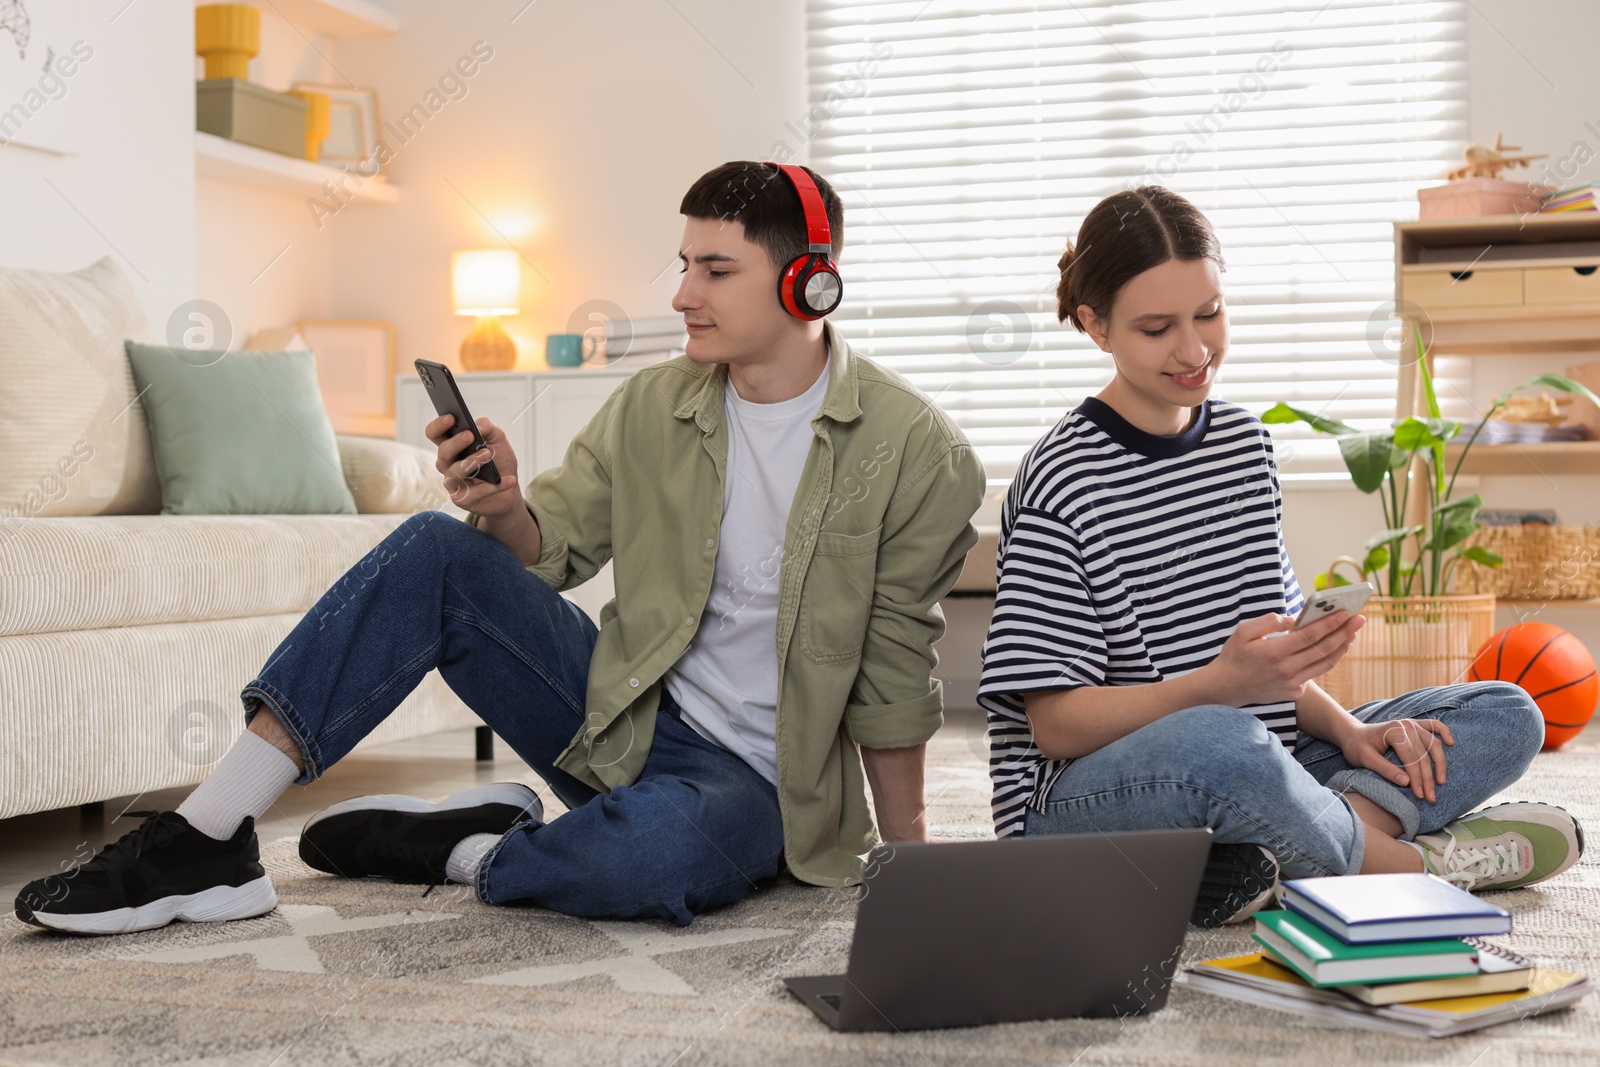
(782, 516)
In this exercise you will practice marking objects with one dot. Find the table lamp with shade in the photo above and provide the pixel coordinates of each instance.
(487, 283)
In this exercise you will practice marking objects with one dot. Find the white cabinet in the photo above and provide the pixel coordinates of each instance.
(540, 412)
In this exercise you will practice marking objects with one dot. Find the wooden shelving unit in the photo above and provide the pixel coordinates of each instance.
(1505, 285)
(1550, 457)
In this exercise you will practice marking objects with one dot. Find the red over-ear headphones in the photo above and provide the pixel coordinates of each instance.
(809, 287)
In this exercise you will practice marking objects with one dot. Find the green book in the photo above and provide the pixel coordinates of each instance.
(1322, 959)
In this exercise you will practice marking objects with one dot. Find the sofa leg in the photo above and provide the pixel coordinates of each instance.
(485, 743)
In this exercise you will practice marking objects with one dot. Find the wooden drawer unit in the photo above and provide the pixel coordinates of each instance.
(1562, 285)
(1503, 286)
(1490, 287)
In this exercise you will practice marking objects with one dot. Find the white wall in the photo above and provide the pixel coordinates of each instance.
(257, 255)
(574, 144)
(129, 192)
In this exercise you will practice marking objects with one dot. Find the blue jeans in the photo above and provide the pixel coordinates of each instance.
(698, 829)
(1218, 767)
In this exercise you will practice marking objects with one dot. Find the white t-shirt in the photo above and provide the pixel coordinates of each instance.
(726, 681)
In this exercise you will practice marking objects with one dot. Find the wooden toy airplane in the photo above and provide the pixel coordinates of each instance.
(1485, 162)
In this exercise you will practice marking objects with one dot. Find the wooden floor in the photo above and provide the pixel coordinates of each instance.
(432, 766)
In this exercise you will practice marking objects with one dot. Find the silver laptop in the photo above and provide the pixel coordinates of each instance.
(965, 933)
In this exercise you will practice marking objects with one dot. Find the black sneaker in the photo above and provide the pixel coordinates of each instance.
(408, 839)
(164, 870)
(1238, 882)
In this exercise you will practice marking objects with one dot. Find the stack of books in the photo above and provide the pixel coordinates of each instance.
(1573, 198)
(1504, 432)
(1400, 953)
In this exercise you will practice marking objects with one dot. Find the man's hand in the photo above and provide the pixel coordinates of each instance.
(1415, 741)
(467, 492)
(1256, 667)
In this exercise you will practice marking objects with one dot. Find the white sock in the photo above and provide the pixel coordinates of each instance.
(467, 857)
(248, 778)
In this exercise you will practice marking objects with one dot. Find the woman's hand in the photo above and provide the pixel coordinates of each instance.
(1415, 741)
(1266, 659)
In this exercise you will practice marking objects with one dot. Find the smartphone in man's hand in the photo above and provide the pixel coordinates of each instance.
(447, 400)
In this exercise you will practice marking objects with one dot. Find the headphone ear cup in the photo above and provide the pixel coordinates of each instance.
(822, 287)
(810, 287)
(789, 291)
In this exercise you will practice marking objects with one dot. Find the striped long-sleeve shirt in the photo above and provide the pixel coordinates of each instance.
(1127, 558)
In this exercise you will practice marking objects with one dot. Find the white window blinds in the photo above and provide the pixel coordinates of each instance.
(969, 139)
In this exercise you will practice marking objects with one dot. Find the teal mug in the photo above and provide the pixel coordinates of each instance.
(564, 349)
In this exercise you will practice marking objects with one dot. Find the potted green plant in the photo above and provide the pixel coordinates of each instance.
(1417, 632)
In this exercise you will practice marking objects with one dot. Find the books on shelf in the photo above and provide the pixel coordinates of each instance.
(1503, 432)
(1323, 959)
(1394, 907)
(1573, 198)
(1518, 517)
(1257, 979)
(644, 340)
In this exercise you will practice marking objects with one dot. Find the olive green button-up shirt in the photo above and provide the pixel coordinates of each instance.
(877, 533)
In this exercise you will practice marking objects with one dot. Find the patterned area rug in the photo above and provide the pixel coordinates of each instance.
(373, 973)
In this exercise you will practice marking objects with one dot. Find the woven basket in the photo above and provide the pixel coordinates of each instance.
(1410, 643)
(1541, 563)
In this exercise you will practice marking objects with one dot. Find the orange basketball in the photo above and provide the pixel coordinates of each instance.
(1554, 668)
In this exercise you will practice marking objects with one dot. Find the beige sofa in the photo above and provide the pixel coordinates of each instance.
(126, 635)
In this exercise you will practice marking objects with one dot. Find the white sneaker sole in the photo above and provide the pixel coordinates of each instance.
(218, 904)
(1267, 896)
(514, 794)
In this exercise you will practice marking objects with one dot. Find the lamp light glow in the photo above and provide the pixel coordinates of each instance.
(486, 281)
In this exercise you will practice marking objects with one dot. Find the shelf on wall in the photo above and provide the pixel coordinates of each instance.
(218, 157)
(337, 18)
(1478, 231)
(1509, 602)
(1547, 457)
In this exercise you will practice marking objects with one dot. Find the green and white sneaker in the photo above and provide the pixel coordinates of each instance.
(1506, 846)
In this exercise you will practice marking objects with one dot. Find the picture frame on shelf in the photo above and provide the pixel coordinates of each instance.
(355, 372)
(352, 128)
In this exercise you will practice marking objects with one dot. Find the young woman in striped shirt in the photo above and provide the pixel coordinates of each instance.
(1142, 670)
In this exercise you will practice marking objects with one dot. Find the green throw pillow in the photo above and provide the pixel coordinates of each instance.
(239, 433)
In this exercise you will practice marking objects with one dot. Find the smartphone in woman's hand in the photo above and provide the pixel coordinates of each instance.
(1325, 602)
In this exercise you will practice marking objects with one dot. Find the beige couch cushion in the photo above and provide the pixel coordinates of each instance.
(390, 477)
(72, 434)
(134, 570)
